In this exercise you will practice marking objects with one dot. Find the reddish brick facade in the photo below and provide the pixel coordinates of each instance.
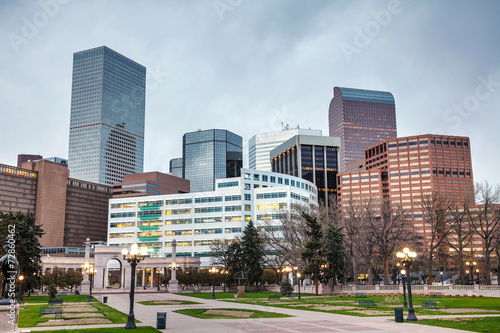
(150, 183)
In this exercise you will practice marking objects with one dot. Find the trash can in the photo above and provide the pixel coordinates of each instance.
(105, 299)
(77, 292)
(161, 320)
(398, 315)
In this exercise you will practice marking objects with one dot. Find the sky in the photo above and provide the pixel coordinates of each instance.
(249, 66)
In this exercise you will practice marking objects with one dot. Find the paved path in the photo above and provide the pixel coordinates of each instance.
(303, 321)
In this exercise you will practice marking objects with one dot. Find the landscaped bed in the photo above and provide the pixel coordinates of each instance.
(230, 313)
(168, 302)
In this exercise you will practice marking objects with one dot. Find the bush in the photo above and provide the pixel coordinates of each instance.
(286, 288)
(52, 291)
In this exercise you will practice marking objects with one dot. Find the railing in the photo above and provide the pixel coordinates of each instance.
(150, 207)
(149, 217)
(492, 288)
(461, 287)
(153, 227)
(391, 288)
(365, 287)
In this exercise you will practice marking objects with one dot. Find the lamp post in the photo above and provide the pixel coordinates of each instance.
(287, 269)
(298, 282)
(467, 272)
(21, 278)
(213, 270)
(471, 265)
(133, 260)
(403, 278)
(87, 268)
(477, 275)
(442, 281)
(224, 272)
(407, 257)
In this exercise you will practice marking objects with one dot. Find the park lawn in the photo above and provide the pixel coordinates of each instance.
(168, 302)
(146, 329)
(384, 303)
(29, 315)
(199, 313)
(479, 324)
(67, 299)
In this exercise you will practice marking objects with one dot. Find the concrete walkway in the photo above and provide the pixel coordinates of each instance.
(303, 321)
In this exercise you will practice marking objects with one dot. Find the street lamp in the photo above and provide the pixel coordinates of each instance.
(442, 281)
(471, 266)
(287, 269)
(21, 278)
(407, 257)
(224, 272)
(87, 268)
(403, 278)
(133, 260)
(298, 282)
(477, 275)
(213, 270)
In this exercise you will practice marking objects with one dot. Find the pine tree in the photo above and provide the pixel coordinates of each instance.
(252, 253)
(335, 254)
(313, 255)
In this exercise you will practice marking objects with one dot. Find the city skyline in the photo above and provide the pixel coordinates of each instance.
(256, 65)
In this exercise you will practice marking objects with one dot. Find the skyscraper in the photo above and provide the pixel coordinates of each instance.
(108, 95)
(260, 145)
(360, 118)
(176, 166)
(209, 155)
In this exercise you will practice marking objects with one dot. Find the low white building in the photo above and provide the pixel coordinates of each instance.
(195, 220)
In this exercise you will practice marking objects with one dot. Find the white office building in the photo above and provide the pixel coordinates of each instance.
(260, 145)
(195, 220)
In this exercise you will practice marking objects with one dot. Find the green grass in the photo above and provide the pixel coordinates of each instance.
(29, 315)
(484, 324)
(230, 295)
(199, 313)
(67, 299)
(167, 302)
(146, 329)
(481, 303)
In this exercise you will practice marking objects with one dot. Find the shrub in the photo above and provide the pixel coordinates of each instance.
(480, 295)
(52, 291)
(426, 295)
(286, 288)
(349, 295)
(457, 295)
(473, 295)
(341, 295)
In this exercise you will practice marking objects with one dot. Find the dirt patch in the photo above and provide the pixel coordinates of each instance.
(79, 309)
(467, 310)
(242, 314)
(374, 312)
(75, 322)
(346, 301)
(76, 315)
(338, 307)
(167, 302)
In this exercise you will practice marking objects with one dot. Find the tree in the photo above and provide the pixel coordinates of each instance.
(436, 229)
(313, 255)
(28, 247)
(335, 254)
(461, 232)
(73, 278)
(220, 253)
(252, 254)
(486, 221)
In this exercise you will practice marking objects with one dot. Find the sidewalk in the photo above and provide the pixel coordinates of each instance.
(303, 321)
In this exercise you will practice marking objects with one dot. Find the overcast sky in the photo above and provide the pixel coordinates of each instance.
(249, 65)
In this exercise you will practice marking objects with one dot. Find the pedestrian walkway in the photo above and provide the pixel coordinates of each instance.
(303, 321)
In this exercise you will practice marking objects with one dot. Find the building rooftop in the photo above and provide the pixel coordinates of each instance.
(366, 95)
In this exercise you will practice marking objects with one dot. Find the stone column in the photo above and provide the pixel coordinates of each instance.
(85, 286)
(173, 284)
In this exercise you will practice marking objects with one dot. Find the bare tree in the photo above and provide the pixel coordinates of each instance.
(486, 221)
(220, 253)
(461, 233)
(435, 216)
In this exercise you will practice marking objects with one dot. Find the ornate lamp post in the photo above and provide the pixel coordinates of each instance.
(403, 273)
(90, 271)
(471, 266)
(21, 278)
(213, 270)
(407, 257)
(287, 269)
(133, 259)
(224, 272)
(298, 282)
(477, 275)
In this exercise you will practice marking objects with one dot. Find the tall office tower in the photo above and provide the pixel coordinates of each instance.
(360, 118)
(106, 138)
(260, 145)
(310, 157)
(176, 167)
(209, 155)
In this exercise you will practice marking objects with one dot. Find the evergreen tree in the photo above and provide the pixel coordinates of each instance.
(335, 254)
(27, 249)
(313, 255)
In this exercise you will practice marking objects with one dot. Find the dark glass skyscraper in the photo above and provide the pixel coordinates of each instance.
(210, 155)
(360, 118)
(106, 138)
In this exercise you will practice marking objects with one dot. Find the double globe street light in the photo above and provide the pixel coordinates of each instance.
(91, 272)
(133, 259)
(407, 258)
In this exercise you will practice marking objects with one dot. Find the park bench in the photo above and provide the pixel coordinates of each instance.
(196, 291)
(360, 294)
(62, 293)
(56, 301)
(367, 302)
(435, 294)
(55, 310)
(292, 296)
(274, 297)
(429, 304)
